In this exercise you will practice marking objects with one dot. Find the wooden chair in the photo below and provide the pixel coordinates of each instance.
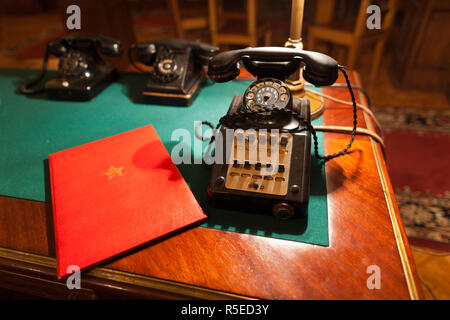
(355, 35)
(193, 20)
(254, 32)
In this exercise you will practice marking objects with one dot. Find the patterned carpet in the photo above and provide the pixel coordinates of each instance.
(418, 158)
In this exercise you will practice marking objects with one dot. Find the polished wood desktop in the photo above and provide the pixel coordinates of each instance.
(365, 229)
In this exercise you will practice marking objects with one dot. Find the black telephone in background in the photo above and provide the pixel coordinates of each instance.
(266, 161)
(82, 73)
(178, 69)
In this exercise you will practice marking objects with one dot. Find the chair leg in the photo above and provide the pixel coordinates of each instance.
(379, 47)
(174, 6)
(251, 22)
(212, 15)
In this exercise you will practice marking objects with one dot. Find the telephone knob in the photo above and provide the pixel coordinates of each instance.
(283, 211)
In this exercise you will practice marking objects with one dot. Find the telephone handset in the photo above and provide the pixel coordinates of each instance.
(275, 62)
(82, 73)
(178, 69)
(266, 165)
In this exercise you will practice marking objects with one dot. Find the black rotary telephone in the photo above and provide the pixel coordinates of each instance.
(263, 148)
(82, 71)
(178, 69)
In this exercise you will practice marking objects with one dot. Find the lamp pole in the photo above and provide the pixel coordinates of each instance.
(295, 36)
(295, 82)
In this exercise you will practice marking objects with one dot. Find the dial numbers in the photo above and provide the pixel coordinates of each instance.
(267, 93)
(267, 96)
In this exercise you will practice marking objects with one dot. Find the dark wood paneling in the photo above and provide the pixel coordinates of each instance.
(112, 18)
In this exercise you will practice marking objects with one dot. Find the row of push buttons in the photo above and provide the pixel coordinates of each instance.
(251, 138)
(258, 166)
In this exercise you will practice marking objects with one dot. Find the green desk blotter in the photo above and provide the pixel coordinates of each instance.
(31, 127)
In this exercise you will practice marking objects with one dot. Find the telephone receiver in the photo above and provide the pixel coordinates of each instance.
(275, 62)
(82, 73)
(178, 69)
(147, 51)
(108, 46)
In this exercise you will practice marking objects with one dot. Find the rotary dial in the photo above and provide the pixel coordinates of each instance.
(266, 94)
(74, 63)
(166, 69)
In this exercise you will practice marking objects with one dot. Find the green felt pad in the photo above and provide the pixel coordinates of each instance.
(31, 127)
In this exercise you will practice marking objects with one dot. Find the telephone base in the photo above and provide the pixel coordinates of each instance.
(81, 90)
(264, 206)
(165, 95)
(246, 176)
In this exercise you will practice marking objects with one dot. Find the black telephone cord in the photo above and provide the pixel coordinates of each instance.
(26, 87)
(355, 123)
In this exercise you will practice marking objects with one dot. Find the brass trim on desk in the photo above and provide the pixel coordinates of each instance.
(167, 286)
(411, 284)
(84, 293)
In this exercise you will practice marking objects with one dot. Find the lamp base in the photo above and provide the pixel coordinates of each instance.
(316, 102)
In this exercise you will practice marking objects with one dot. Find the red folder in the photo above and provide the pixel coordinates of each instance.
(114, 194)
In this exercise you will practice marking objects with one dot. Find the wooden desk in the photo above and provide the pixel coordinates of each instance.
(364, 229)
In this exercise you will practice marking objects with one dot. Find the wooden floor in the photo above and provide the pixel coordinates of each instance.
(433, 269)
(16, 31)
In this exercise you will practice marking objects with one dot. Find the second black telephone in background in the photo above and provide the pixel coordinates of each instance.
(82, 73)
(178, 69)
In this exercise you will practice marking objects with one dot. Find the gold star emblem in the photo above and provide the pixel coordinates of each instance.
(113, 172)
